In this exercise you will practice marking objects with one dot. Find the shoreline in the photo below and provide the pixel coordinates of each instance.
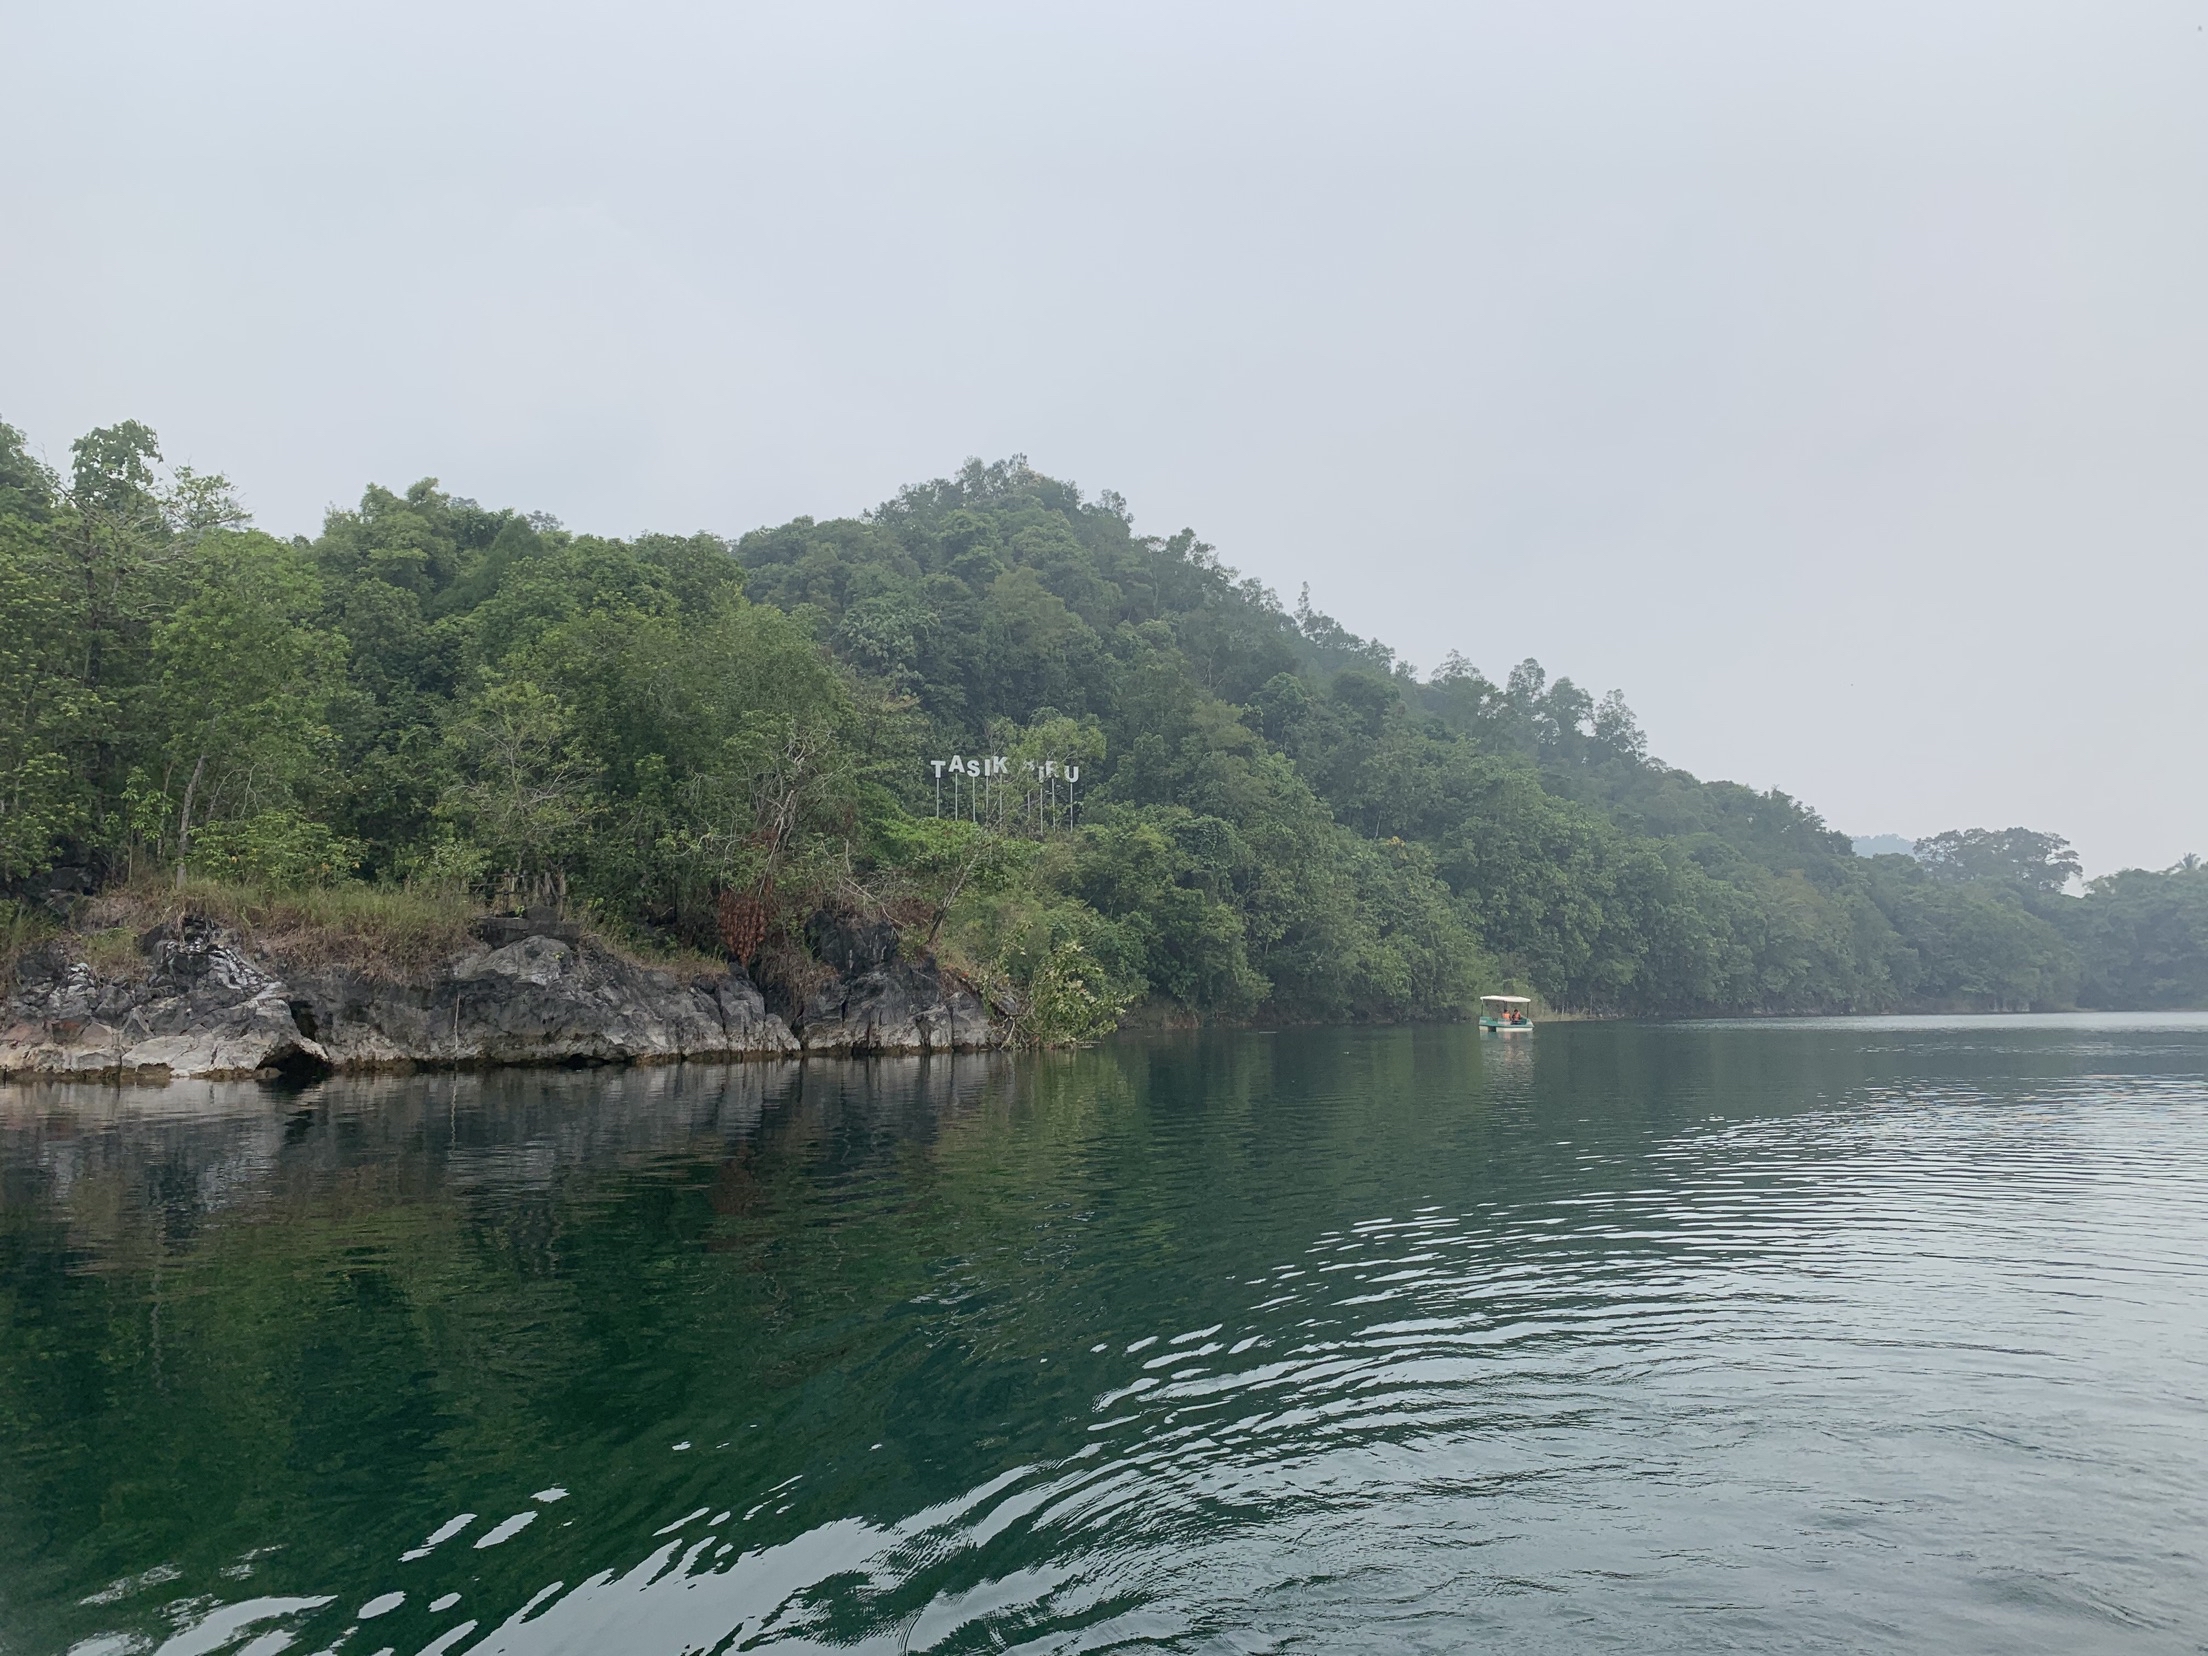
(203, 1001)
(198, 998)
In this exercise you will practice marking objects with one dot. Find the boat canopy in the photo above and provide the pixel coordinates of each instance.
(1506, 1000)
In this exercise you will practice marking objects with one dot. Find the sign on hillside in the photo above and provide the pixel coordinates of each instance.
(1004, 793)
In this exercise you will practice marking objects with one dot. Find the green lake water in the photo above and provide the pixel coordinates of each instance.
(1864, 1335)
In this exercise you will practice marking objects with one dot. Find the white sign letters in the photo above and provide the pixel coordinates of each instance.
(983, 789)
(996, 764)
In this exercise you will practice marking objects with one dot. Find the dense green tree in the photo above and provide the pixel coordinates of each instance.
(721, 742)
(42, 802)
(2032, 862)
(1974, 944)
(2144, 938)
(237, 700)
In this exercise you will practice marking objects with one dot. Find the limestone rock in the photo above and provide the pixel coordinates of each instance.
(535, 991)
(541, 1000)
(901, 1006)
(849, 943)
(202, 1008)
(206, 1008)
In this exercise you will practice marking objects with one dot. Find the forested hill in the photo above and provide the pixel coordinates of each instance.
(723, 742)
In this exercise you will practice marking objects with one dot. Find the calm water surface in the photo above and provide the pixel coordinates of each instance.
(1857, 1336)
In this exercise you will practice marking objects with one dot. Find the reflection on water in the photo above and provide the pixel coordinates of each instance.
(1868, 1335)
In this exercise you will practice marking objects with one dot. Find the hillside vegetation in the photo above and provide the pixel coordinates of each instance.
(724, 746)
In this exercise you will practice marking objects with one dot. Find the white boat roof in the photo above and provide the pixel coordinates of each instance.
(1508, 1000)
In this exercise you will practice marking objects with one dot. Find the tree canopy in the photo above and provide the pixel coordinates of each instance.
(719, 741)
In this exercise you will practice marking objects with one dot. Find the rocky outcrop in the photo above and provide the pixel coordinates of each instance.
(200, 1008)
(205, 1004)
(898, 1006)
(536, 1000)
(877, 1003)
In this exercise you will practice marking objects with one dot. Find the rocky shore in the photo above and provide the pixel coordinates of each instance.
(202, 1001)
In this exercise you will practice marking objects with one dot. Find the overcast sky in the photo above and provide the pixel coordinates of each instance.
(1832, 379)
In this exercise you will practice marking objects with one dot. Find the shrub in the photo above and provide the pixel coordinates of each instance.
(274, 848)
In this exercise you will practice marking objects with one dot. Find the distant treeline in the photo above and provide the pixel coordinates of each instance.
(719, 743)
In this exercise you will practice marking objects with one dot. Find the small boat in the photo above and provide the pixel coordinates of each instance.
(1506, 1014)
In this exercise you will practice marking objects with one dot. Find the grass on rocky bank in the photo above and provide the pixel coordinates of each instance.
(21, 931)
(393, 933)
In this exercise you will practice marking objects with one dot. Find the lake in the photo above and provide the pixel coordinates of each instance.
(1856, 1335)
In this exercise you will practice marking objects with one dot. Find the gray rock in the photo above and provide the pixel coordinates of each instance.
(498, 930)
(203, 1008)
(540, 1000)
(206, 1008)
(903, 1006)
(850, 943)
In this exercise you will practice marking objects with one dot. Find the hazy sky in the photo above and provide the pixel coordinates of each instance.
(1833, 379)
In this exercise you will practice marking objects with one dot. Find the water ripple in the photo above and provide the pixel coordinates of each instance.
(1916, 1364)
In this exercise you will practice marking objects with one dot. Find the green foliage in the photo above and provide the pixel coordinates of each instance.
(1166, 876)
(710, 743)
(2144, 938)
(238, 692)
(1973, 944)
(2000, 856)
(277, 847)
(526, 793)
(1069, 1000)
(42, 799)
